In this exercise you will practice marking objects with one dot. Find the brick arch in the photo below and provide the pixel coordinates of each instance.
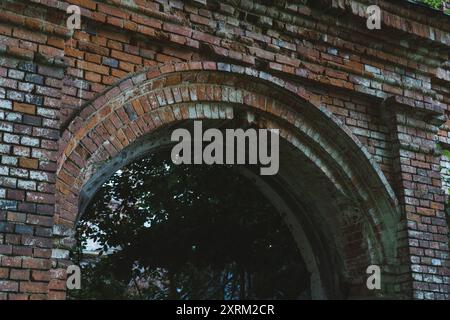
(172, 93)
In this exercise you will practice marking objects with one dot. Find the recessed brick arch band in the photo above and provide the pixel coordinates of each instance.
(167, 95)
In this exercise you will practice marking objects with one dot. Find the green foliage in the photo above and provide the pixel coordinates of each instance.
(437, 4)
(446, 154)
(186, 232)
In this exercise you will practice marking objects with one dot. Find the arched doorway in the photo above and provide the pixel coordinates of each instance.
(337, 201)
(156, 230)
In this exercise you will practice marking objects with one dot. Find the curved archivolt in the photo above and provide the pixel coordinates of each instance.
(169, 95)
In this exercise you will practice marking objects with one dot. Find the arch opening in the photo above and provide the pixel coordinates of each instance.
(267, 215)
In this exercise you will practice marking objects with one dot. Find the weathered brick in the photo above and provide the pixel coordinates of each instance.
(8, 286)
(33, 287)
(19, 274)
(24, 108)
(28, 163)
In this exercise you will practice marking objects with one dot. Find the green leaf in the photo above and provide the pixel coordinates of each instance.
(446, 153)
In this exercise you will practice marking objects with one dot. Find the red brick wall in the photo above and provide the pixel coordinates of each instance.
(391, 91)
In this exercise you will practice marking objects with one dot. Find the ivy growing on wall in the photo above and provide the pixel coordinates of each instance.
(437, 4)
(433, 3)
(446, 154)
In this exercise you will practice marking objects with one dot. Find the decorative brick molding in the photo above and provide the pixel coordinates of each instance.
(173, 93)
(361, 111)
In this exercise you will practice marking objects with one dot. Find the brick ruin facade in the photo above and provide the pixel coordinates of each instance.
(361, 112)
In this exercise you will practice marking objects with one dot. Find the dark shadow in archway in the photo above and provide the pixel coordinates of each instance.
(329, 227)
(155, 230)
